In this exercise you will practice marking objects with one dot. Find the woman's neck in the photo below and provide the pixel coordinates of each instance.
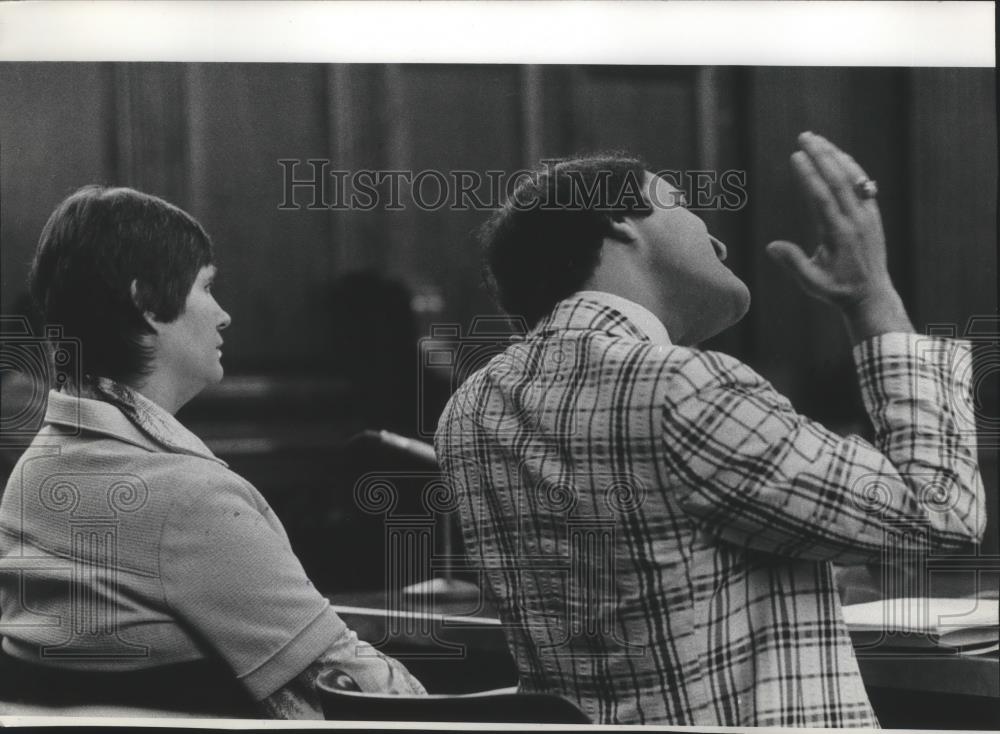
(161, 391)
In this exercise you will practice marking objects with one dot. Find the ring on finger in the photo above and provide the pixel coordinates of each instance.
(866, 188)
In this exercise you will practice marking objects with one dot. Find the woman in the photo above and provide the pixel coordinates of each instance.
(155, 556)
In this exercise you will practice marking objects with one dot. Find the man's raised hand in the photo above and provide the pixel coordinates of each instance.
(848, 268)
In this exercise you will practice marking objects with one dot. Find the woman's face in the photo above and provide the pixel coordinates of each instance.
(189, 347)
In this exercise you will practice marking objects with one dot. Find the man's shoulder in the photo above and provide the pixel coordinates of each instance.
(609, 352)
(581, 360)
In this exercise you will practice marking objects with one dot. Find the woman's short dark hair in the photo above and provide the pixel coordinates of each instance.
(96, 243)
(545, 241)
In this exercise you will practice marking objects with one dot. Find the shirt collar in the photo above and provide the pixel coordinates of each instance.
(641, 317)
(127, 415)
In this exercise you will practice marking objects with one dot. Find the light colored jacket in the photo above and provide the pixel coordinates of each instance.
(127, 544)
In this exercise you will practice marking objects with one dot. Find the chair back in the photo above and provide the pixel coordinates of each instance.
(200, 687)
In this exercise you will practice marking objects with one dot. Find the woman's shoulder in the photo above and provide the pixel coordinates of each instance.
(181, 480)
(200, 480)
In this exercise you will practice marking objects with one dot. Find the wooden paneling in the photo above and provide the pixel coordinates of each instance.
(799, 343)
(361, 121)
(645, 110)
(56, 134)
(449, 119)
(953, 162)
(243, 119)
(150, 129)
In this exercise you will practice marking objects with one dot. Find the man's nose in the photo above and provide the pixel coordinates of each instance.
(224, 320)
(720, 249)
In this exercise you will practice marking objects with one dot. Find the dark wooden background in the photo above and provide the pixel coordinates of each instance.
(209, 136)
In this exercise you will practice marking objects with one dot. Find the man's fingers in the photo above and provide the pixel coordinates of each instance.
(833, 165)
(810, 276)
(853, 168)
(817, 187)
(855, 173)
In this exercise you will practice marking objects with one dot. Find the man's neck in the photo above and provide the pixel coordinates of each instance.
(621, 274)
(644, 319)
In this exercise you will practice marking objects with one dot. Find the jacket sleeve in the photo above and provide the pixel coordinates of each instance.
(755, 473)
(230, 574)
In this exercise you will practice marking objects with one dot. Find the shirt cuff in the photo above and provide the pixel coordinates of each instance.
(905, 343)
(901, 363)
(293, 658)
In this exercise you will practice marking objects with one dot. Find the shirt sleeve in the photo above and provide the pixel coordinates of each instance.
(753, 472)
(230, 574)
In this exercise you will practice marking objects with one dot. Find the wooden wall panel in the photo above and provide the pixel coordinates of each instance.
(56, 134)
(953, 163)
(647, 110)
(150, 129)
(447, 119)
(799, 343)
(275, 264)
(361, 121)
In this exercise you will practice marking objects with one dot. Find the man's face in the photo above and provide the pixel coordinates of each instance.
(701, 295)
(190, 345)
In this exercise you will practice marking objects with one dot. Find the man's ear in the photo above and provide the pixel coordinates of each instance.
(148, 316)
(621, 227)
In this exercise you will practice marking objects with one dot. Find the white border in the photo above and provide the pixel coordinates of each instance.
(723, 32)
(795, 33)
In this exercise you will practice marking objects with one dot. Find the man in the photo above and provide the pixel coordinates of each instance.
(656, 523)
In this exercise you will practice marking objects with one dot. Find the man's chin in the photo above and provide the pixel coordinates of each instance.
(726, 311)
(733, 303)
(741, 302)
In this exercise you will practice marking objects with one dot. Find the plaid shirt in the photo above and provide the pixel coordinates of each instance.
(656, 523)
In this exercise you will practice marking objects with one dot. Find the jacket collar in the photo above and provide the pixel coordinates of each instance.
(596, 310)
(128, 416)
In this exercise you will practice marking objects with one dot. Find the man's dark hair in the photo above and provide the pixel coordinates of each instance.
(545, 241)
(94, 245)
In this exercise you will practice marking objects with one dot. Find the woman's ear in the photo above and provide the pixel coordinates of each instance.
(621, 227)
(148, 316)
